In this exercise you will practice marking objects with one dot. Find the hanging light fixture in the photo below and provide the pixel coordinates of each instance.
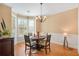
(41, 17)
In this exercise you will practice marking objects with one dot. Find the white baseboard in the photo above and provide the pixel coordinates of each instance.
(58, 38)
(62, 44)
(57, 43)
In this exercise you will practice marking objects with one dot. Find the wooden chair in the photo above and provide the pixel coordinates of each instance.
(29, 34)
(28, 43)
(46, 44)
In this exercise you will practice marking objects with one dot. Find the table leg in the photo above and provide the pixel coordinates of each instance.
(65, 42)
(38, 45)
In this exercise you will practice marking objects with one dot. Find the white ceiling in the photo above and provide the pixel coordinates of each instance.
(34, 8)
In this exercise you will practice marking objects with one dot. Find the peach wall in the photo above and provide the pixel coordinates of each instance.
(78, 29)
(5, 12)
(38, 26)
(62, 22)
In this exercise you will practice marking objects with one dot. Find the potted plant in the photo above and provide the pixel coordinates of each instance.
(5, 32)
(0, 33)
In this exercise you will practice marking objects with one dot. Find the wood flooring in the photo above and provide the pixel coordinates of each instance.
(56, 50)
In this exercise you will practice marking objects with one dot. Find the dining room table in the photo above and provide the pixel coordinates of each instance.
(37, 39)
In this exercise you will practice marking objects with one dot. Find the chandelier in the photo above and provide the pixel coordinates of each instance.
(41, 17)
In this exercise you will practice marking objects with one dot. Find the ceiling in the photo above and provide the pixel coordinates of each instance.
(47, 8)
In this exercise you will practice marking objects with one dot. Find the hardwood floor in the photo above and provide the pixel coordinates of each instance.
(56, 50)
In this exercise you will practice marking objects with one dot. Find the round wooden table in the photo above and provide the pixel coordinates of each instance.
(37, 39)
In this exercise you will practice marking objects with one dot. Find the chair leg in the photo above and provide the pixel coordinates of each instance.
(30, 52)
(25, 49)
(49, 49)
(45, 50)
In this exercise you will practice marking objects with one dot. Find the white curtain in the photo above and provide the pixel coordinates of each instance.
(21, 26)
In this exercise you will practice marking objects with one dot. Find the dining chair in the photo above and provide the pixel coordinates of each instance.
(28, 43)
(29, 34)
(46, 43)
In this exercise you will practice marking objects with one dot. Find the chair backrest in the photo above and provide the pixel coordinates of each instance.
(29, 34)
(27, 40)
(48, 39)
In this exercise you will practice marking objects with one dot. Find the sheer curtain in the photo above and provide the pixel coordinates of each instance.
(21, 26)
(31, 26)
